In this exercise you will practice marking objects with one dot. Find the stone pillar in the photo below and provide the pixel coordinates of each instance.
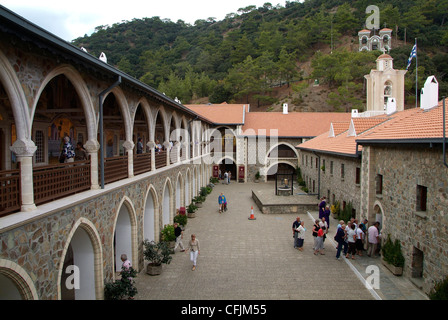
(167, 147)
(92, 147)
(24, 151)
(151, 145)
(129, 147)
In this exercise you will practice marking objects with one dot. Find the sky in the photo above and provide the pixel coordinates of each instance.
(72, 19)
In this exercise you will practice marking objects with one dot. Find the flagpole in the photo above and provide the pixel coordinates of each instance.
(416, 75)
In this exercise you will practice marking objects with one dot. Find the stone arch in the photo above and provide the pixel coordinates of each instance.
(19, 279)
(142, 105)
(276, 163)
(377, 214)
(124, 108)
(82, 91)
(187, 188)
(180, 193)
(17, 97)
(164, 120)
(124, 237)
(167, 202)
(279, 144)
(151, 215)
(88, 228)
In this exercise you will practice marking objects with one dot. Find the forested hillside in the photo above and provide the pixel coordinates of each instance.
(272, 54)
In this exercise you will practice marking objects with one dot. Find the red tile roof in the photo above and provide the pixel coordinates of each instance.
(221, 113)
(413, 125)
(293, 124)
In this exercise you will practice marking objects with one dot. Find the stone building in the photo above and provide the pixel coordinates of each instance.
(390, 164)
(369, 40)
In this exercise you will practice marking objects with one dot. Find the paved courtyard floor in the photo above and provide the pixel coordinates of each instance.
(244, 259)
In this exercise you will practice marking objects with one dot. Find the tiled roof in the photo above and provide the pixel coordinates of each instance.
(412, 125)
(293, 124)
(220, 113)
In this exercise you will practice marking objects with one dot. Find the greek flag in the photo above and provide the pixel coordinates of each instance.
(413, 54)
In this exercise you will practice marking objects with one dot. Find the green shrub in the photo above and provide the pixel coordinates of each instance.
(181, 219)
(168, 233)
(391, 252)
(191, 208)
(121, 288)
(440, 291)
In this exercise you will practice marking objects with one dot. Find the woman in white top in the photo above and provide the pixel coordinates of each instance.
(301, 235)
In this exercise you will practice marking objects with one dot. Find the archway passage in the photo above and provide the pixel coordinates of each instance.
(122, 237)
(281, 168)
(227, 165)
(149, 218)
(78, 271)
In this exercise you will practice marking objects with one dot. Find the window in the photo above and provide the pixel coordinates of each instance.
(342, 171)
(421, 198)
(311, 162)
(379, 184)
(323, 169)
(358, 176)
(331, 167)
(317, 163)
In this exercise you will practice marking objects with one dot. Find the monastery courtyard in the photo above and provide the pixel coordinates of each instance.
(242, 259)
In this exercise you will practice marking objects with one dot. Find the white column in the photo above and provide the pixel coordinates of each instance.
(92, 147)
(24, 150)
(129, 147)
(151, 145)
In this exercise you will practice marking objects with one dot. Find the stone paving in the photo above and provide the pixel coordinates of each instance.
(244, 259)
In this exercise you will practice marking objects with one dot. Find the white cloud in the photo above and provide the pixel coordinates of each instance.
(73, 19)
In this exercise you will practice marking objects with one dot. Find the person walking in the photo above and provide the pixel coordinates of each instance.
(80, 152)
(374, 239)
(319, 244)
(321, 206)
(327, 216)
(316, 229)
(139, 146)
(301, 235)
(193, 246)
(340, 239)
(222, 202)
(68, 152)
(228, 177)
(359, 241)
(179, 236)
(351, 239)
(295, 233)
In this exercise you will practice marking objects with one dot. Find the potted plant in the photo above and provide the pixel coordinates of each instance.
(156, 254)
(181, 219)
(168, 236)
(392, 257)
(191, 210)
(198, 201)
(257, 177)
(121, 288)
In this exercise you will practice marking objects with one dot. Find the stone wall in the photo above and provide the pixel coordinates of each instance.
(332, 184)
(403, 168)
(38, 246)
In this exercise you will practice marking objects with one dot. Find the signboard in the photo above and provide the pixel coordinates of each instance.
(215, 171)
(241, 173)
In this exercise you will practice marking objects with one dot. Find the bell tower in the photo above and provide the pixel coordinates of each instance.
(385, 86)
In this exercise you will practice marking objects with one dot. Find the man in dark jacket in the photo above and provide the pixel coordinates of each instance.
(340, 239)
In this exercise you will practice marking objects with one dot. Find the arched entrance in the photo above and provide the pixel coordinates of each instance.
(280, 168)
(166, 205)
(228, 165)
(150, 216)
(15, 283)
(124, 235)
(81, 271)
(187, 188)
